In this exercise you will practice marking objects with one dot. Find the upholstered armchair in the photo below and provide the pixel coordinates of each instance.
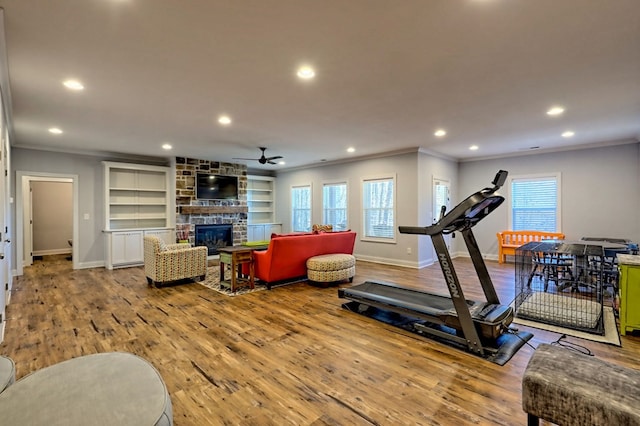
(172, 262)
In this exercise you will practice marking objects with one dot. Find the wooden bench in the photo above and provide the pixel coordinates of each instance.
(509, 241)
(569, 388)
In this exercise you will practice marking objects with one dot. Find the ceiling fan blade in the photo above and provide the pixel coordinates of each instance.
(277, 157)
(251, 159)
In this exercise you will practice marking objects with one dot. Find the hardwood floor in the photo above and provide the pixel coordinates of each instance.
(291, 355)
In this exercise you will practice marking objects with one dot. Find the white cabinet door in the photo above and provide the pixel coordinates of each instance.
(274, 228)
(255, 233)
(126, 248)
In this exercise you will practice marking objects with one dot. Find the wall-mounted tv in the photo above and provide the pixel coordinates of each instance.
(216, 187)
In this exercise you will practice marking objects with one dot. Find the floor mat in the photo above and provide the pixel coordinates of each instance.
(611, 335)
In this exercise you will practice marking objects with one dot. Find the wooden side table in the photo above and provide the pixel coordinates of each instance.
(236, 256)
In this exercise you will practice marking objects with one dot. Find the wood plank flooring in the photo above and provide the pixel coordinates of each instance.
(291, 355)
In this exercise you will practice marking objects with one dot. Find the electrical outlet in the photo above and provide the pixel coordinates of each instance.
(408, 250)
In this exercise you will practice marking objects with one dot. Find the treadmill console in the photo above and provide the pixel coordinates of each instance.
(466, 214)
(500, 179)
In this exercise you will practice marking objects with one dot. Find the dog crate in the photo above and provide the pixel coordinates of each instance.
(561, 284)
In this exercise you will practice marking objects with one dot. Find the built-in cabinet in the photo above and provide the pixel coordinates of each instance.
(137, 203)
(262, 232)
(261, 221)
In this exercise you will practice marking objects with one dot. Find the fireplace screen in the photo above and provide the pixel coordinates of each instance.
(214, 237)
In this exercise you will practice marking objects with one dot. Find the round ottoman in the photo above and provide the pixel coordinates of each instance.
(113, 388)
(328, 268)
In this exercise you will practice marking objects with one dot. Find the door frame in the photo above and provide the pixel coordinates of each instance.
(436, 213)
(23, 205)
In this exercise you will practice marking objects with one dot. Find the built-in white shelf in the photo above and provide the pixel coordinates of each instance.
(137, 203)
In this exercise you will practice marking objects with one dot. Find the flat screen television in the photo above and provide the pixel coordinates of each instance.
(216, 187)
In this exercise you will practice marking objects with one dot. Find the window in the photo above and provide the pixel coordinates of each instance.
(334, 205)
(301, 208)
(378, 208)
(535, 203)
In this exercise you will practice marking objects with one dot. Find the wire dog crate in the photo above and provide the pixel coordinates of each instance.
(561, 283)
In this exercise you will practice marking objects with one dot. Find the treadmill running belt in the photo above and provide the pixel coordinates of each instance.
(424, 303)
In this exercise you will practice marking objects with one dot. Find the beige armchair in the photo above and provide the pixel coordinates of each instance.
(172, 262)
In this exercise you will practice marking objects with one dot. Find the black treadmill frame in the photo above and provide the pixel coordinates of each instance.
(462, 218)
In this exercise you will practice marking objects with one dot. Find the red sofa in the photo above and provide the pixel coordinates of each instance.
(286, 257)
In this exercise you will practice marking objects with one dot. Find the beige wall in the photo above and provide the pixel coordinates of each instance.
(52, 204)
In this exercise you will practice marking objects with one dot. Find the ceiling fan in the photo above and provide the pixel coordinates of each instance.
(263, 159)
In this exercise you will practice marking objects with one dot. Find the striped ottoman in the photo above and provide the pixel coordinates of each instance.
(329, 268)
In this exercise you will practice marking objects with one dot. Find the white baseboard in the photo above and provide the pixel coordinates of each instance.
(89, 265)
(395, 262)
(51, 252)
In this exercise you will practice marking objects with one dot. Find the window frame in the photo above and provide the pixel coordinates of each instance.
(346, 207)
(557, 176)
(292, 209)
(383, 177)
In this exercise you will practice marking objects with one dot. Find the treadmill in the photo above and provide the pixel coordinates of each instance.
(481, 328)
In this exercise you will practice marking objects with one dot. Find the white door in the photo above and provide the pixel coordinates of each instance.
(441, 197)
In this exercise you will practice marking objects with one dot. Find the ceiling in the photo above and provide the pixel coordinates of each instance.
(388, 75)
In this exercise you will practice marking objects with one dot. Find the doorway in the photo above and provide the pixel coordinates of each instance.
(24, 215)
(441, 198)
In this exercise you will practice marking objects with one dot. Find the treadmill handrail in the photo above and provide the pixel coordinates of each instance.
(466, 214)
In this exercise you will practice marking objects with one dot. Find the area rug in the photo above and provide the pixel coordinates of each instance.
(212, 281)
(610, 336)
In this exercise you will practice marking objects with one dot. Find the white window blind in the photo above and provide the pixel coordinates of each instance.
(334, 205)
(301, 208)
(534, 204)
(378, 208)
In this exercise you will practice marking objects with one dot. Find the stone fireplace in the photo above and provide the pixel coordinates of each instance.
(192, 213)
(214, 237)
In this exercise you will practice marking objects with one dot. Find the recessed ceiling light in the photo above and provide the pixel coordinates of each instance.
(473, 147)
(306, 72)
(55, 131)
(73, 84)
(166, 146)
(282, 163)
(351, 149)
(568, 134)
(440, 133)
(225, 120)
(556, 110)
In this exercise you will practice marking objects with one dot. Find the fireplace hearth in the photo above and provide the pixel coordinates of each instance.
(214, 237)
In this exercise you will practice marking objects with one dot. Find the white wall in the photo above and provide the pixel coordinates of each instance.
(600, 192)
(413, 173)
(91, 244)
(90, 194)
(52, 208)
(431, 168)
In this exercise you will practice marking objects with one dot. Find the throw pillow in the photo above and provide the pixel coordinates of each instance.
(317, 228)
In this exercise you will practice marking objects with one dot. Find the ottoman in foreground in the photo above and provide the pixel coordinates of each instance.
(112, 388)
